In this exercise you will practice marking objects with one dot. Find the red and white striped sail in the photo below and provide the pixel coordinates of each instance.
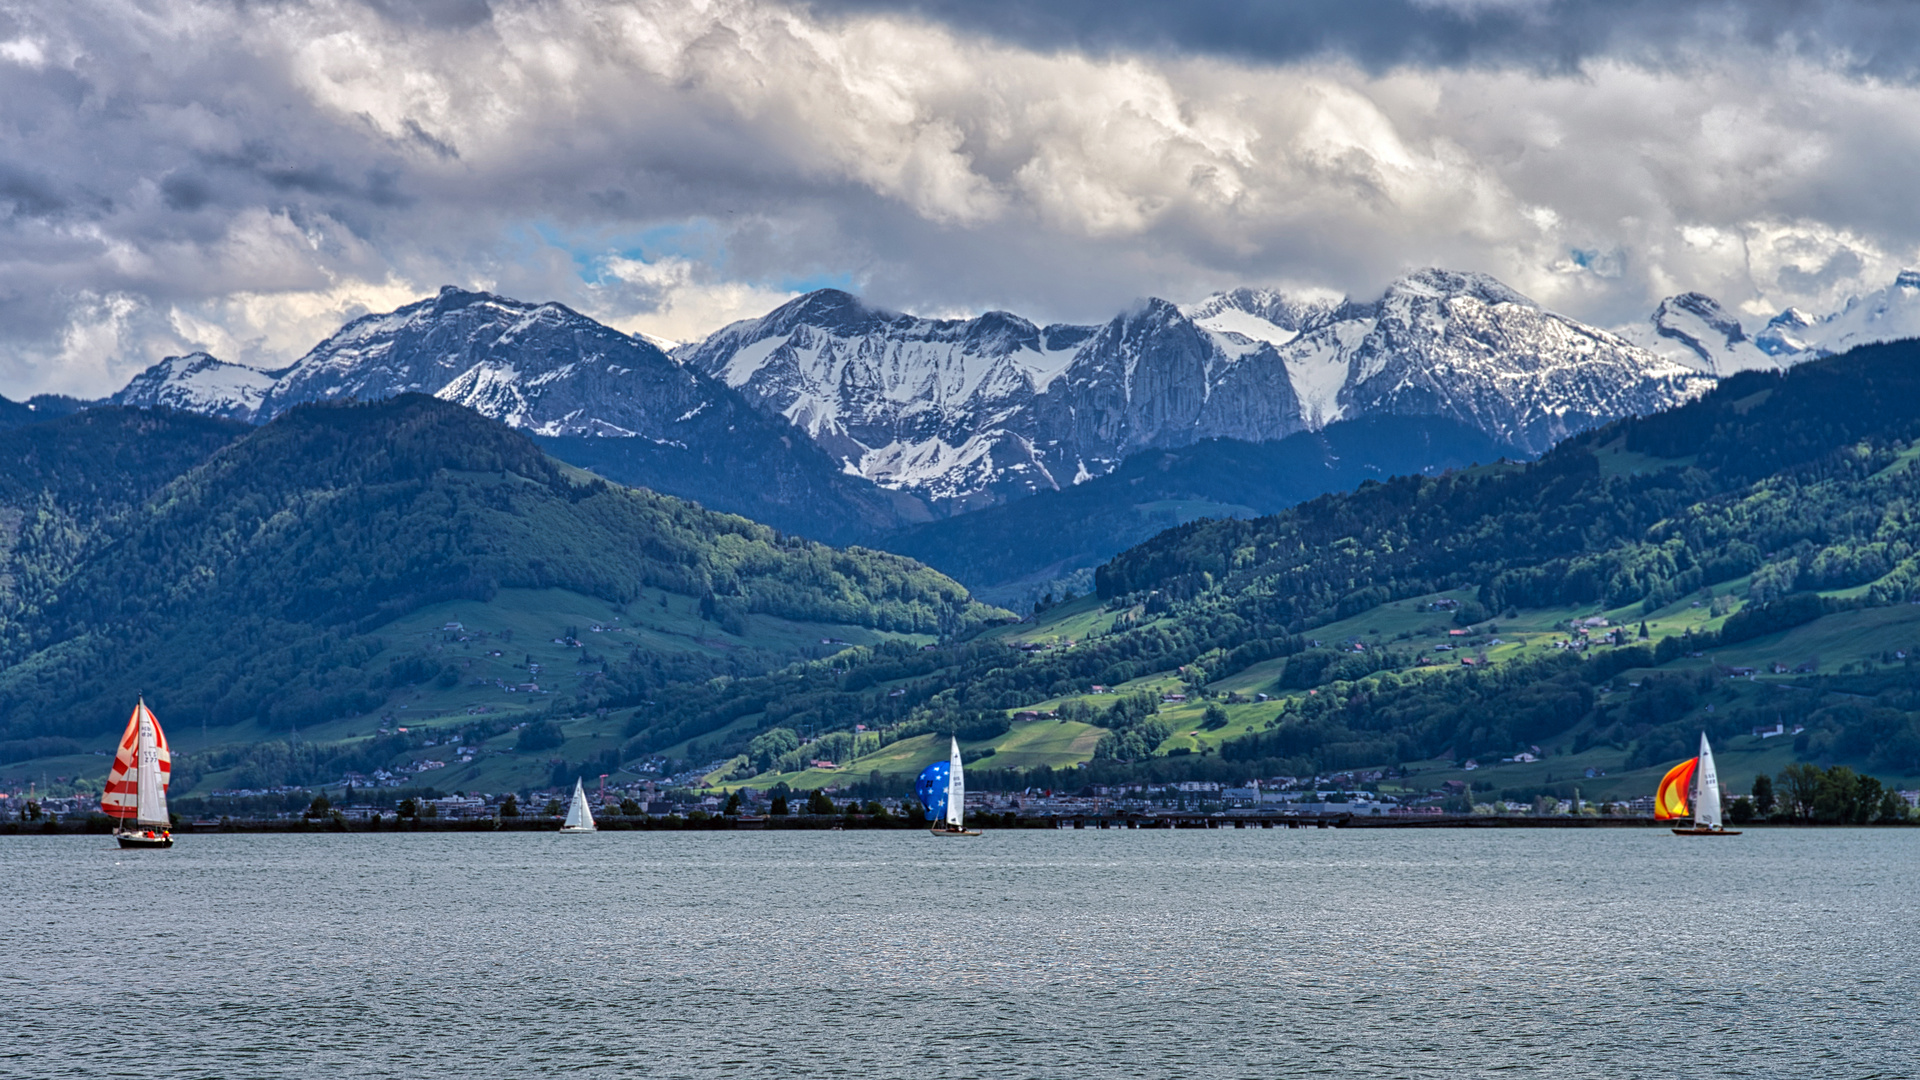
(142, 769)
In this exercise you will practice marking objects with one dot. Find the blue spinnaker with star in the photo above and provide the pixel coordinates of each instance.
(932, 789)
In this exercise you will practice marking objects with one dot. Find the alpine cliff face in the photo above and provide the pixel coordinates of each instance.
(938, 406)
(967, 412)
(1462, 347)
(1152, 379)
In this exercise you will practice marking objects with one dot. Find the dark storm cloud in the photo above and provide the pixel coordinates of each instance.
(437, 14)
(1881, 38)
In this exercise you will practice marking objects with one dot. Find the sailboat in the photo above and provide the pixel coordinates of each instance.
(579, 814)
(136, 795)
(1692, 789)
(943, 791)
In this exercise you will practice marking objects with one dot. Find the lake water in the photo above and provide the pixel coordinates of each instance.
(1617, 953)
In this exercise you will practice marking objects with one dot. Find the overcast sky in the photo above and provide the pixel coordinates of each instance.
(242, 177)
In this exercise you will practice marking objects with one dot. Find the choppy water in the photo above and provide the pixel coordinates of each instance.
(1020, 954)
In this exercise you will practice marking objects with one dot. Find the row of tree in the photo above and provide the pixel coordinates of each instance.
(1835, 795)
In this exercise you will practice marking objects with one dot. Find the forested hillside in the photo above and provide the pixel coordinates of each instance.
(71, 481)
(1052, 541)
(255, 586)
(1430, 617)
(1778, 475)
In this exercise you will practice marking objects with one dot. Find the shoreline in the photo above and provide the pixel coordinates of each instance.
(837, 822)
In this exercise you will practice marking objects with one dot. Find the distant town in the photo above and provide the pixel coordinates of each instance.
(683, 798)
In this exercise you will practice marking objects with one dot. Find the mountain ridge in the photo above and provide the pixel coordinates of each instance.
(855, 421)
(1026, 408)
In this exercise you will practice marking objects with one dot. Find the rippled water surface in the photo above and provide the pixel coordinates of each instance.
(1020, 954)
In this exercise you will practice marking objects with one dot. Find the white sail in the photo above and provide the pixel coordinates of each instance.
(1706, 789)
(152, 795)
(956, 789)
(579, 814)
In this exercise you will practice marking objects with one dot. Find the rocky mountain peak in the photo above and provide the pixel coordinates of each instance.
(453, 298)
(1693, 329)
(826, 308)
(1275, 316)
(199, 382)
(1700, 307)
(1440, 284)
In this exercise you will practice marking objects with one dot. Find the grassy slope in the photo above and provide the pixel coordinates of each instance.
(1030, 744)
(1410, 625)
(536, 616)
(1847, 637)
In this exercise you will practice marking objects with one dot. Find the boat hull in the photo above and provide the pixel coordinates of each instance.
(1697, 831)
(954, 832)
(133, 841)
(577, 829)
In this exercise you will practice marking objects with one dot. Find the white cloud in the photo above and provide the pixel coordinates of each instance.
(23, 51)
(246, 176)
(675, 300)
(95, 337)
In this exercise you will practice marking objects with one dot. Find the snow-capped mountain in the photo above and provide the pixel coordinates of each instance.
(1787, 334)
(1259, 314)
(825, 393)
(932, 405)
(1466, 347)
(1153, 378)
(543, 368)
(1694, 330)
(1887, 314)
(969, 411)
(556, 374)
(198, 383)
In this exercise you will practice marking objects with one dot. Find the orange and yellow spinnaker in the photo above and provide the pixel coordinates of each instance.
(1671, 800)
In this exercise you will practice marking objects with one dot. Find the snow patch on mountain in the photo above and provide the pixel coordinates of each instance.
(1319, 370)
(198, 383)
(910, 403)
(1888, 314)
(1460, 345)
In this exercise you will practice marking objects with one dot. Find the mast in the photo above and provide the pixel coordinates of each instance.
(956, 788)
(1706, 790)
